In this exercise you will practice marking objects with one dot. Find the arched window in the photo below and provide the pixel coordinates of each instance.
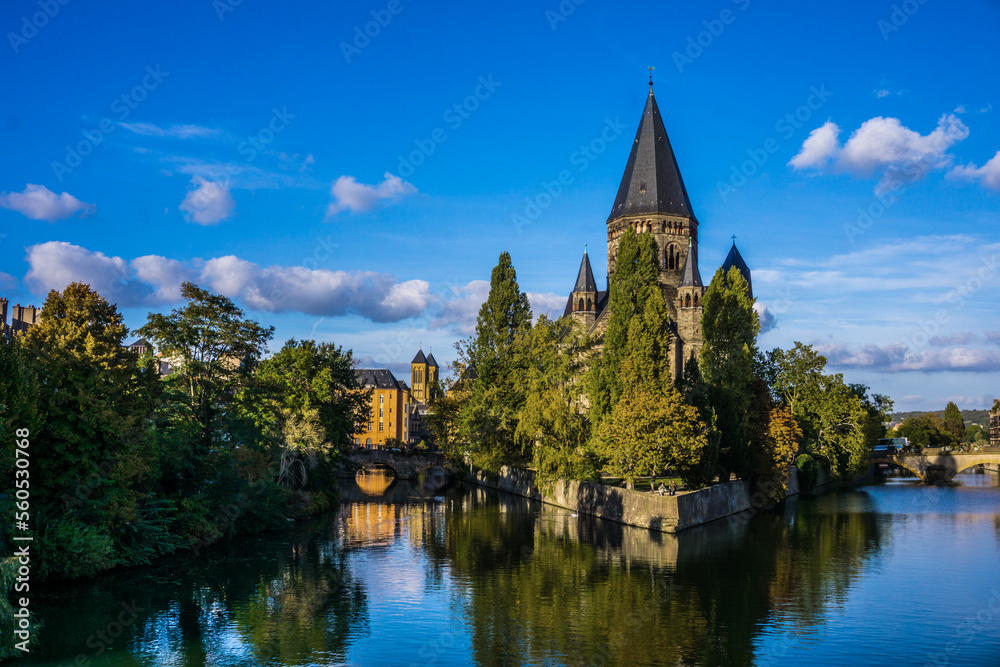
(590, 304)
(581, 304)
(695, 300)
(671, 258)
(368, 443)
(687, 301)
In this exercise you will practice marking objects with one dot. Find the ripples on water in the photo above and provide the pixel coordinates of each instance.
(896, 573)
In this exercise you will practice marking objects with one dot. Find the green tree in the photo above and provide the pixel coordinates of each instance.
(926, 431)
(213, 349)
(696, 393)
(953, 422)
(95, 402)
(637, 325)
(647, 433)
(553, 415)
(313, 400)
(488, 417)
(729, 328)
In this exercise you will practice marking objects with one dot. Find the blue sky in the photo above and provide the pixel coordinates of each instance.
(359, 187)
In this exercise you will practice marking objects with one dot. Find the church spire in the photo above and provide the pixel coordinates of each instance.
(652, 180)
(585, 276)
(734, 258)
(691, 276)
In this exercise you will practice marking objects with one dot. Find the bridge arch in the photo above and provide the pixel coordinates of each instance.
(941, 467)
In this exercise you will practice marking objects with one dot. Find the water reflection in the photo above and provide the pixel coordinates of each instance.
(415, 575)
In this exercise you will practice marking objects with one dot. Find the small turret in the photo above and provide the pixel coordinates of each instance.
(583, 299)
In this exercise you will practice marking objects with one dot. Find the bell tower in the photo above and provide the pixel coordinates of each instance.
(652, 199)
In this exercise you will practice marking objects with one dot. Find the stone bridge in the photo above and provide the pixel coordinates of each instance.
(403, 465)
(933, 465)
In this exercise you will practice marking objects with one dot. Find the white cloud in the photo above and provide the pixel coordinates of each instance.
(459, 314)
(179, 131)
(768, 320)
(548, 304)
(883, 147)
(39, 203)
(897, 358)
(347, 193)
(988, 174)
(152, 280)
(7, 281)
(960, 108)
(818, 148)
(883, 92)
(209, 203)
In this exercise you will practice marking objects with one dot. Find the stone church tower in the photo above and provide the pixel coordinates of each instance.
(652, 199)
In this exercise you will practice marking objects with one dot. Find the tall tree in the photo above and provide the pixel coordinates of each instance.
(729, 328)
(488, 417)
(313, 399)
(213, 349)
(637, 325)
(553, 415)
(95, 401)
(94, 395)
(953, 422)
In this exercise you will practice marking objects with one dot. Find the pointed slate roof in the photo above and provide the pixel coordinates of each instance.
(691, 277)
(735, 259)
(585, 276)
(431, 361)
(420, 358)
(652, 181)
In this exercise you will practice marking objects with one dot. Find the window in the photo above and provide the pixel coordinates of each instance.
(381, 399)
(380, 413)
(381, 426)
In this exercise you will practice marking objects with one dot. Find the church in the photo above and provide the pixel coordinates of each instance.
(652, 200)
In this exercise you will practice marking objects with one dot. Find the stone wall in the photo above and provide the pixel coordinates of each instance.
(669, 514)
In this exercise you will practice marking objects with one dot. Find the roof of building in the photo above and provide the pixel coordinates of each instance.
(431, 361)
(735, 259)
(142, 342)
(402, 385)
(691, 276)
(585, 276)
(652, 180)
(420, 358)
(378, 378)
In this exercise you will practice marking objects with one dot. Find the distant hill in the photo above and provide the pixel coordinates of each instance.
(981, 417)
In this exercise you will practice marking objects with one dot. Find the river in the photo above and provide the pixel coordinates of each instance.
(894, 573)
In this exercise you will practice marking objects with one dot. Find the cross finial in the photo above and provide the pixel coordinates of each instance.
(734, 239)
(584, 248)
(650, 79)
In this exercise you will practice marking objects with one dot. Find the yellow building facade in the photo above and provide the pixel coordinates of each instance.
(389, 417)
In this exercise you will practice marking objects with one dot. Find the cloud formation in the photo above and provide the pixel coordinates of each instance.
(348, 194)
(39, 203)
(988, 175)
(882, 147)
(896, 358)
(177, 131)
(153, 280)
(209, 203)
(768, 320)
